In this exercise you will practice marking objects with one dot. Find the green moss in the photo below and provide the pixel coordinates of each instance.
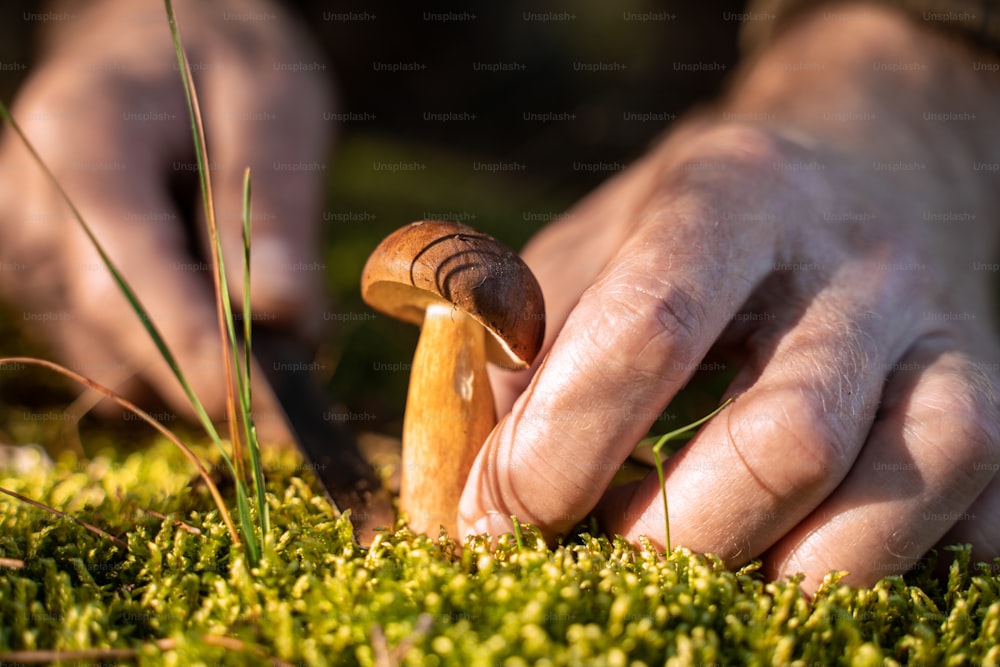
(181, 594)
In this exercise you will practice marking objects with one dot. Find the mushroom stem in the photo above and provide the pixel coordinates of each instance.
(449, 414)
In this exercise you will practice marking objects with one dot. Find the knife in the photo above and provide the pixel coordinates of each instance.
(329, 447)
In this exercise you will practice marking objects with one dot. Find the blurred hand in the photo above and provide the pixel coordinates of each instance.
(105, 108)
(829, 237)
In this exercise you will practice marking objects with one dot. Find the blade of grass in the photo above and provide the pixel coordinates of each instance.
(186, 527)
(658, 445)
(52, 510)
(208, 201)
(246, 284)
(76, 656)
(253, 445)
(224, 310)
(146, 417)
(518, 538)
(103, 655)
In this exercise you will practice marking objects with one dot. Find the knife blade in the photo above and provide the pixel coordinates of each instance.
(329, 447)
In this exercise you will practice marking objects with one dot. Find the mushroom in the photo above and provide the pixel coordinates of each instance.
(475, 300)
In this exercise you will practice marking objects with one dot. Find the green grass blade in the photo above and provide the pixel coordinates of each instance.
(246, 404)
(246, 283)
(517, 532)
(658, 460)
(684, 430)
(653, 439)
(224, 309)
(223, 305)
(658, 443)
(247, 527)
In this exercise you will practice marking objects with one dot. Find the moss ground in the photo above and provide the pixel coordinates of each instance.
(180, 594)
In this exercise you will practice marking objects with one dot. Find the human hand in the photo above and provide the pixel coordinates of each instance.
(106, 110)
(832, 241)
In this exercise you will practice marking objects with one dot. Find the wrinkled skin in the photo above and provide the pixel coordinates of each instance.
(83, 110)
(865, 430)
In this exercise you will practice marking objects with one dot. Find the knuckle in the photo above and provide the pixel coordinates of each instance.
(648, 327)
(678, 311)
(737, 144)
(823, 448)
(814, 448)
(965, 404)
(893, 267)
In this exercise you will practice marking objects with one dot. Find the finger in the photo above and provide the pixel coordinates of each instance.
(634, 339)
(271, 120)
(808, 396)
(934, 448)
(567, 256)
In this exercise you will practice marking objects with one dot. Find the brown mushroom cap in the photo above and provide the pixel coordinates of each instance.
(447, 262)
